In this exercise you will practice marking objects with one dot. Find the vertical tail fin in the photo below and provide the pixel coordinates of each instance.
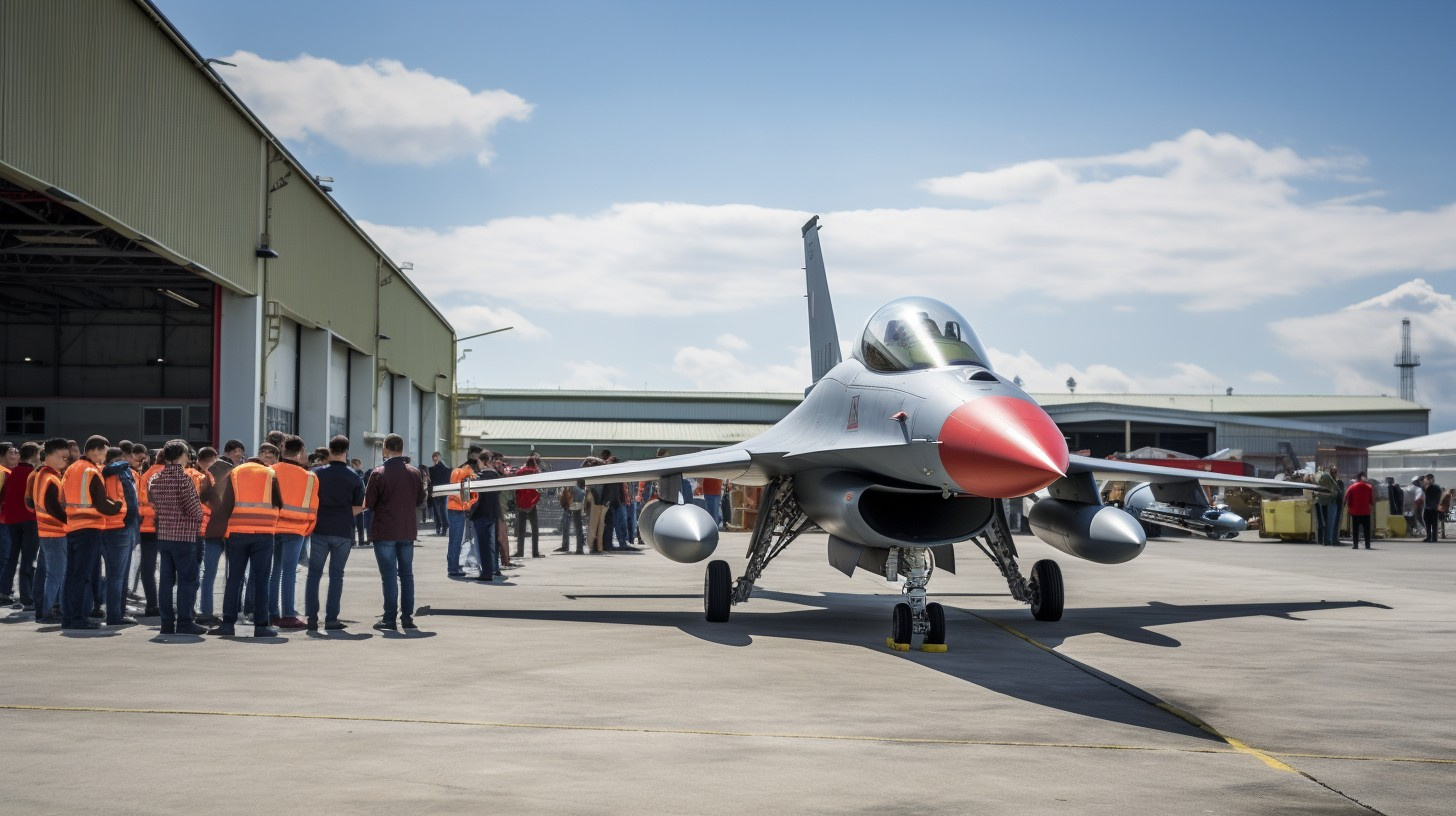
(823, 334)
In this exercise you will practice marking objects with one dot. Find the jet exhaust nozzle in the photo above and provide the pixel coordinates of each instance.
(682, 532)
(1096, 532)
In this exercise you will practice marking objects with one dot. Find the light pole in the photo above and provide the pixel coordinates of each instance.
(457, 357)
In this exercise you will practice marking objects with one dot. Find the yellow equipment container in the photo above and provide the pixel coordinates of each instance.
(1287, 519)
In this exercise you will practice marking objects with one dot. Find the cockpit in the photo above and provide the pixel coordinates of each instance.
(917, 333)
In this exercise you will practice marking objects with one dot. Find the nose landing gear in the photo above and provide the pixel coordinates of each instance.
(914, 616)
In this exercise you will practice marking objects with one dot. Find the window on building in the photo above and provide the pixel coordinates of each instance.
(27, 420)
(278, 419)
(162, 421)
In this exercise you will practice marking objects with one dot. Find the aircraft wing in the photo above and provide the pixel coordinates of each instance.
(722, 463)
(1104, 469)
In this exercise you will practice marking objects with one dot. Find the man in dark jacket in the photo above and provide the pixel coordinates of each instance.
(439, 477)
(396, 489)
(116, 543)
(485, 518)
(341, 500)
(214, 537)
(1432, 514)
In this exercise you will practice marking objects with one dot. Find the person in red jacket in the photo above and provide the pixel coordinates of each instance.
(526, 501)
(1359, 499)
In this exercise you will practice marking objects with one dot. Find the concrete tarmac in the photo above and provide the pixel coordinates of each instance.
(1242, 677)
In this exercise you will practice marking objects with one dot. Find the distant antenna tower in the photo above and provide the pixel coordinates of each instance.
(1407, 362)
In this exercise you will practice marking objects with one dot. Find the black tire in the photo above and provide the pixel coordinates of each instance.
(1046, 591)
(717, 591)
(902, 627)
(936, 613)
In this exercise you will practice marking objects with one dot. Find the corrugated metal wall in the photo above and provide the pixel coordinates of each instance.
(323, 272)
(420, 343)
(97, 100)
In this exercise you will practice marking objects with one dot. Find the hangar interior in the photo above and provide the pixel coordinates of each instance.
(170, 269)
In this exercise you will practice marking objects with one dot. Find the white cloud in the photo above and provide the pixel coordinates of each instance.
(1355, 347)
(1264, 378)
(1185, 378)
(471, 319)
(1028, 180)
(378, 110)
(732, 342)
(633, 259)
(1209, 221)
(721, 370)
(588, 376)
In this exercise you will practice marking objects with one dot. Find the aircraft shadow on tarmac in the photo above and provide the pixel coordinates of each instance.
(980, 654)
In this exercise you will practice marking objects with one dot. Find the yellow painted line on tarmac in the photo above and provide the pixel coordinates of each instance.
(621, 729)
(1237, 745)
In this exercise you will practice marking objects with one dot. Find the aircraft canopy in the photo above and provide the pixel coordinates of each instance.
(914, 333)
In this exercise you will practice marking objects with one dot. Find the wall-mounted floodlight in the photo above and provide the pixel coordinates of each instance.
(266, 252)
(385, 337)
(407, 266)
(323, 182)
(216, 61)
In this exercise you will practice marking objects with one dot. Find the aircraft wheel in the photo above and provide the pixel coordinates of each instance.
(901, 624)
(717, 591)
(936, 613)
(1046, 591)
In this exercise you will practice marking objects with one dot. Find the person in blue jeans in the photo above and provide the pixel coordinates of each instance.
(341, 501)
(485, 518)
(116, 543)
(50, 578)
(439, 474)
(396, 489)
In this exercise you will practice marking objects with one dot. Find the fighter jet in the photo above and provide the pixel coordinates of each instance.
(899, 453)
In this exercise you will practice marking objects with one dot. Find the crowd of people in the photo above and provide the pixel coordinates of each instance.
(98, 535)
(602, 517)
(1423, 504)
(76, 521)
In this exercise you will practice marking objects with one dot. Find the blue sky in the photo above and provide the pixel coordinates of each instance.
(1148, 196)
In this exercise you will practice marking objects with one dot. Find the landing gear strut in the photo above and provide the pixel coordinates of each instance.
(914, 616)
(780, 521)
(1044, 591)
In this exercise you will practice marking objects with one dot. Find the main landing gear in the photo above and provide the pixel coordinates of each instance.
(1044, 591)
(780, 521)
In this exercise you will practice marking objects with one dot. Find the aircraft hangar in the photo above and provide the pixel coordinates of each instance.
(168, 268)
(567, 424)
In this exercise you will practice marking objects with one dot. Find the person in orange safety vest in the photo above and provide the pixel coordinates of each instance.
(296, 519)
(251, 502)
(84, 490)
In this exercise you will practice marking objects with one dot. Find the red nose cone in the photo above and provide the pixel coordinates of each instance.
(1002, 447)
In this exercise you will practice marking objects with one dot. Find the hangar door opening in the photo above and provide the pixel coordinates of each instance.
(97, 333)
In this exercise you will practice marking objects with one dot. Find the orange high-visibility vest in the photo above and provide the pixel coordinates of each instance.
(299, 487)
(76, 490)
(253, 510)
(201, 481)
(148, 512)
(46, 525)
(464, 473)
(117, 493)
